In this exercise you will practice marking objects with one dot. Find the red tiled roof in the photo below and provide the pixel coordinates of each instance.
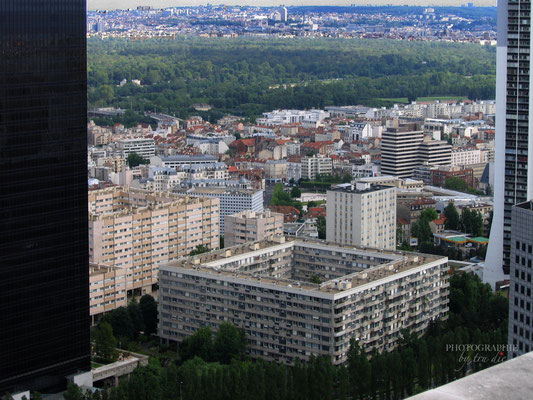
(402, 221)
(439, 221)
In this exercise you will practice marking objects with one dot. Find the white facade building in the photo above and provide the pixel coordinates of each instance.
(231, 200)
(362, 216)
(466, 157)
(316, 165)
(143, 147)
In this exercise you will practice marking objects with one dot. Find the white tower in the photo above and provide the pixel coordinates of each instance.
(513, 180)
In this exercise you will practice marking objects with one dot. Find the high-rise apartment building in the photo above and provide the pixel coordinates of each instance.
(231, 200)
(399, 151)
(316, 165)
(513, 179)
(138, 230)
(404, 149)
(44, 271)
(364, 215)
(434, 152)
(251, 226)
(270, 290)
(520, 299)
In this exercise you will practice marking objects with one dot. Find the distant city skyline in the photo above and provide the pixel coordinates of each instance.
(124, 4)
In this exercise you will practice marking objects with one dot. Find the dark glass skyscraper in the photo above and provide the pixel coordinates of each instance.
(44, 283)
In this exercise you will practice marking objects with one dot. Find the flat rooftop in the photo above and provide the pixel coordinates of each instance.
(508, 380)
(219, 190)
(364, 187)
(228, 262)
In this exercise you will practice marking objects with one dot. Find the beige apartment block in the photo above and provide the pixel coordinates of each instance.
(270, 289)
(362, 215)
(138, 230)
(252, 226)
(107, 289)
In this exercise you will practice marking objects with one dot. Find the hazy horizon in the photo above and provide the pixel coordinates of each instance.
(123, 4)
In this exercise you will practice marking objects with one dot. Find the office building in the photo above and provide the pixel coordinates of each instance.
(250, 226)
(513, 180)
(403, 150)
(316, 165)
(181, 161)
(143, 147)
(434, 152)
(139, 230)
(267, 289)
(231, 200)
(400, 151)
(364, 215)
(520, 335)
(44, 270)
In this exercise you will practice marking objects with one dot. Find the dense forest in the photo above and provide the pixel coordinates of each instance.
(248, 76)
(216, 366)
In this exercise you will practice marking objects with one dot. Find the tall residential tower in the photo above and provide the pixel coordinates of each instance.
(44, 271)
(513, 181)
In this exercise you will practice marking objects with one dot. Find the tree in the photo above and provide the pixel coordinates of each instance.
(347, 178)
(466, 220)
(135, 159)
(422, 231)
(311, 204)
(429, 214)
(200, 249)
(73, 392)
(321, 227)
(148, 307)
(296, 192)
(136, 317)
(104, 343)
(200, 344)
(359, 370)
(280, 197)
(229, 342)
(456, 183)
(452, 217)
(122, 324)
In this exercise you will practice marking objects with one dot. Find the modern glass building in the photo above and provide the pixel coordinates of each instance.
(513, 179)
(44, 274)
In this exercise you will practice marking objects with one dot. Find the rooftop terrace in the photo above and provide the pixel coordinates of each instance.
(231, 262)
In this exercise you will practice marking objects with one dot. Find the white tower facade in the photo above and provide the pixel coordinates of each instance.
(513, 180)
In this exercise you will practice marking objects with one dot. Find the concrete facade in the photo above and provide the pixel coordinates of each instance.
(520, 299)
(513, 180)
(362, 216)
(143, 147)
(107, 289)
(316, 165)
(251, 226)
(139, 230)
(231, 200)
(265, 288)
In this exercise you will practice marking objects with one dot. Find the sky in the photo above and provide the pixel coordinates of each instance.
(122, 4)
